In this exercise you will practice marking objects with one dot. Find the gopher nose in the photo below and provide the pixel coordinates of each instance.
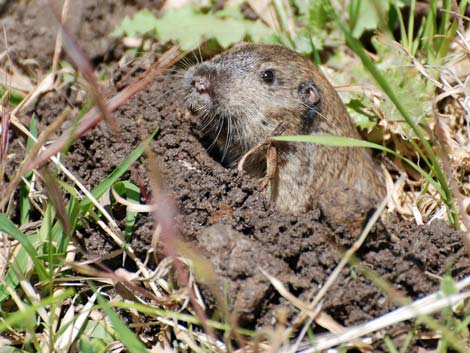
(201, 83)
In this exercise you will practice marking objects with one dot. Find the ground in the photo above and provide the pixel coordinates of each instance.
(222, 214)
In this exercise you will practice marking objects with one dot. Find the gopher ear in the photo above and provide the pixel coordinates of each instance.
(309, 93)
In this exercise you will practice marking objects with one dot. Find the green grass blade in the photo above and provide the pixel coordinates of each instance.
(353, 11)
(329, 140)
(419, 38)
(17, 269)
(99, 190)
(429, 31)
(73, 211)
(10, 228)
(24, 204)
(33, 129)
(16, 97)
(341, 141)
(131, 192)
(444, 23)
(411, 27)
(404, 35)
(390, 346)
(283, 21)
(126, 336)
(449, 30)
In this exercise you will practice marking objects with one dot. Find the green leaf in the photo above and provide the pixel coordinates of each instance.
(403, 78)
(99, 190)
(69, 75)
(190, 27)
(143, 22)
(366, 15)
(316, 25)
(360, 114)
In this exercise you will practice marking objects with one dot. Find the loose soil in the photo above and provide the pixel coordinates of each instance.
(223, 215)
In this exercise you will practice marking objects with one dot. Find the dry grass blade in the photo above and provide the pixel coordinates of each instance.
(186, 338)
(215, 345)
(55, 196)
(427, 305)
(85, 67)
(72, 324)
(39, 142)
(107, 274)
(456, 14)
(446, 144)
(265, 10)
(47, 84)
(304, 307)
(320, 317)
(58, 42)
(4, 134)
(133, 206)
(12, 77)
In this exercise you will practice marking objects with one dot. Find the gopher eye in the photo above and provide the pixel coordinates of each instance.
(267, 76)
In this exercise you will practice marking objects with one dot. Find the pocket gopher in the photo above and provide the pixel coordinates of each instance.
(242, 96)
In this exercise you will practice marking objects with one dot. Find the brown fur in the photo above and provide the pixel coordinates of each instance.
(237, 94)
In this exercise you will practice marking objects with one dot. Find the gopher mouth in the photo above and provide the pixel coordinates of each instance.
(195, 102)
(214, 131)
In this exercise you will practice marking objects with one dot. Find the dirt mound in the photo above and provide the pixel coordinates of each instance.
(232, 223)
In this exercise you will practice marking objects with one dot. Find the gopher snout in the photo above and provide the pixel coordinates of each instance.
(201, 84)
